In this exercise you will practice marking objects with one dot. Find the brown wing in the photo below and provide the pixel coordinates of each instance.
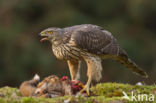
(95, 40)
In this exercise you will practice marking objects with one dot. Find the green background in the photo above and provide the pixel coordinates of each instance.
(132, 22)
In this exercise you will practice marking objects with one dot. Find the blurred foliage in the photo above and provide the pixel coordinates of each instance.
(132, 22)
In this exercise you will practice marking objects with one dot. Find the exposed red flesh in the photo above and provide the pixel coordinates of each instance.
(76, 84)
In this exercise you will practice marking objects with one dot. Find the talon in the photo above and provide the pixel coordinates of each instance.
(86, 88)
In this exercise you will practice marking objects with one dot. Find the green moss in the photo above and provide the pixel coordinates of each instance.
(9, 92)
(104, 93)
(116, 89)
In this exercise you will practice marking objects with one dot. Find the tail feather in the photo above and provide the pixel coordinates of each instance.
(127, 62)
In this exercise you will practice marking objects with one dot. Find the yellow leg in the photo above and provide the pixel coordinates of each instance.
(93, 72)
(87, 86)
(74, 69)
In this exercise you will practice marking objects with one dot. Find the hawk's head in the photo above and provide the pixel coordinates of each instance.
(50, 34)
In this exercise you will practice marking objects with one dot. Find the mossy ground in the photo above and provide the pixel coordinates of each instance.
(104, 93)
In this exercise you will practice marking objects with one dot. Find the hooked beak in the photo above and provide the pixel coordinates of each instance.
(45, 36)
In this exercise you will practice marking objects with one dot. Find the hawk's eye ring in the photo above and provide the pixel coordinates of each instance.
(50, 32)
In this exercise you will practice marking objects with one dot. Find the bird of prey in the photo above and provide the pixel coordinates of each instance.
(90, 43)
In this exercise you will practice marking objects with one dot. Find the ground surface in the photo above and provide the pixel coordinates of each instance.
(103, 93)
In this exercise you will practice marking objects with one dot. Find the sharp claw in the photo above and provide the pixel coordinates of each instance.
(86, 88)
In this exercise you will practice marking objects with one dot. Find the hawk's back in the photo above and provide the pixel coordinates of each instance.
(93, 39)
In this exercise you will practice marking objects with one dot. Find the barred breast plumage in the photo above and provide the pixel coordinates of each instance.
(67, 52)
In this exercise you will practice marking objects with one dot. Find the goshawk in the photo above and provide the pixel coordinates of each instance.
(90, 43)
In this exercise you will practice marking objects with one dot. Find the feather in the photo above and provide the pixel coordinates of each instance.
(94, 39)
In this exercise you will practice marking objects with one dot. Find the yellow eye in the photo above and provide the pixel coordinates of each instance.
(50, 32)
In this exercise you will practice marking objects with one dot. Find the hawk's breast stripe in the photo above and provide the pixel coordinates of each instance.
(69, 52)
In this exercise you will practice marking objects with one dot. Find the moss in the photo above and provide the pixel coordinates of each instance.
(9, 92)
(103, 93)
(116, 89)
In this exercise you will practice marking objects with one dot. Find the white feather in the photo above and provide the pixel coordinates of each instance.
(36, 77)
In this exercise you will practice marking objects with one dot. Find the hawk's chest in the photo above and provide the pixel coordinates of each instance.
(66, 52)
(58, 52)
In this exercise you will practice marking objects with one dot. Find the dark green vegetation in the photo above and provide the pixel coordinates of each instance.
(132, 22)
(105, 93)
